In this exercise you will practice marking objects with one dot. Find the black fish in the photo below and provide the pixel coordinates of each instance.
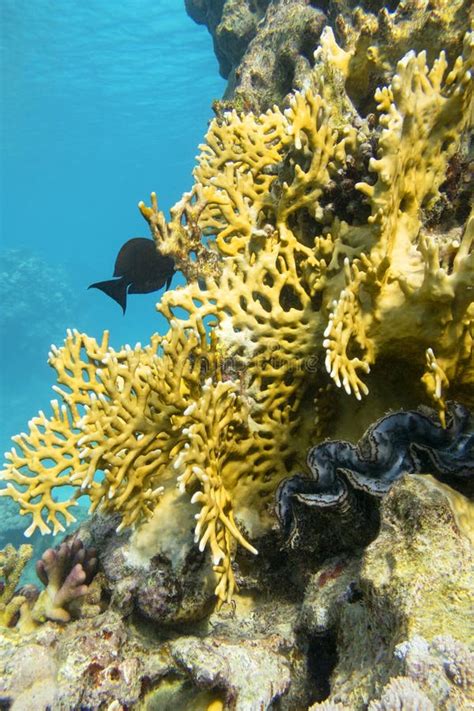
(140, 269)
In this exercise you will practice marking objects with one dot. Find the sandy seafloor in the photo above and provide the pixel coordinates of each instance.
(102, 103)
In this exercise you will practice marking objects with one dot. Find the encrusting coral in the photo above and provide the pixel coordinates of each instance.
(278, 283)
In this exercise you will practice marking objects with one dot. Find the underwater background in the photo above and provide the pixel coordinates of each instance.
(102, 103)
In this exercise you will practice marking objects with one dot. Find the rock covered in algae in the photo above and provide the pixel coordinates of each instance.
(232, 23)
(417, 574)
(164, 579)
(229, 663)
(86, 664)
(414, 582)
(266, 49)
(94, 663)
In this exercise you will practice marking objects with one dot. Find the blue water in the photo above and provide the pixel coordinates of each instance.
(102, 101)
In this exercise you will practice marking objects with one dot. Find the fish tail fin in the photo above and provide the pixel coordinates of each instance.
(115, 288)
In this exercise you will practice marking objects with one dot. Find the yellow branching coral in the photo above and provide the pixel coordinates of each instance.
(374, 40)
(12, 562)
(279, 285)
(210, 457)
(103, 402)
(261, 304)
(425, 113)
(129, 420)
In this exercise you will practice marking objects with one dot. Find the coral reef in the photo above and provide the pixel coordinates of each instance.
(327, 249)
(27, 281)
(12, 531)
(280, 282)
(183, 418)
(66, 572)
